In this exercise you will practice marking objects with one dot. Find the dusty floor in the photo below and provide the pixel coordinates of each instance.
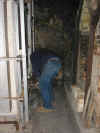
(64, 120)
(78, 116)
(61, 121)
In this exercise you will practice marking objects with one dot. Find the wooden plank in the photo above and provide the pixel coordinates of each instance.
(93, 103)
(90, 58)
(7, 53)
(90, 112)
(78, 66)
(4, 105)
(12, 50)
(86, 104)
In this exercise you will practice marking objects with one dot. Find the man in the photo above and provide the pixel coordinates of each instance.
(45, 65)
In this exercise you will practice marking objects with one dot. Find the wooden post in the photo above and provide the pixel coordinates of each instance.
(21, 5)
(78, 66)
(90, 58)
(33, 27)
(76, 42)
(18, 66)
(29, 26)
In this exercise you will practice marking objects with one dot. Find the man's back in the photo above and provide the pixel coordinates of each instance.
(39, 59)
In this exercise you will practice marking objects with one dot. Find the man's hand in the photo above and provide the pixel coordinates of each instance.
(59, 76)
(34, 78)
(36, 85)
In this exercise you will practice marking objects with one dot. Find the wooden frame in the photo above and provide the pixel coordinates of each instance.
(10, 42)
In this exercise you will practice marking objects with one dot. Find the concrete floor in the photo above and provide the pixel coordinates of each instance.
(61, 121)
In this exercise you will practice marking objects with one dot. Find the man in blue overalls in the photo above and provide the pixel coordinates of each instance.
(45, 66)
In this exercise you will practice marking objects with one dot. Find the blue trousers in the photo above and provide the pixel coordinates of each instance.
(49, 72)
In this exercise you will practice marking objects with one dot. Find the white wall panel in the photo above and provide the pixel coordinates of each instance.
(4, 104)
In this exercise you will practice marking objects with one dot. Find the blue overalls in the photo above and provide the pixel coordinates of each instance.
(50, 67)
